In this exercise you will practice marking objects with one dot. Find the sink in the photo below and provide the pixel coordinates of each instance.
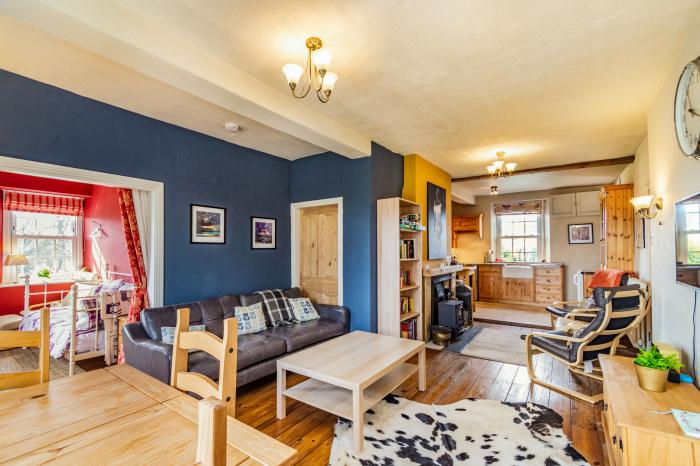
(523, 272)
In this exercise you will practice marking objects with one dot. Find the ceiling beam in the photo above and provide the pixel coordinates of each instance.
(110, 29)
(555, 168)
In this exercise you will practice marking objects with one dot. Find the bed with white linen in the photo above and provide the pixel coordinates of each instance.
(83, 320)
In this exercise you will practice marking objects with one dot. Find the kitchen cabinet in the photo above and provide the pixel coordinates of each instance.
(490, 282)
(617, 227)
(545, 285)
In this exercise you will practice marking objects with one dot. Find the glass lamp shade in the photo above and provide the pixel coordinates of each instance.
(329, 82)
(494, 190)
(15, 259)
(292, 72)
(498, 164)
(510, 166)
(641, 202)
(321, 60)
(491, 169)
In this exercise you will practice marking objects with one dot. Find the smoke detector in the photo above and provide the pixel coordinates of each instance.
(231, 127)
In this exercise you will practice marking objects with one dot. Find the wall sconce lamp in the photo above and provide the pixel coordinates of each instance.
(647, 206)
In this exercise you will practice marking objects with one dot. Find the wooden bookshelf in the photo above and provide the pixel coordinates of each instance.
(399, 253)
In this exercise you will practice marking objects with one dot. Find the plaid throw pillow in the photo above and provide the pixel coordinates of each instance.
(278, 308)
(303, 309)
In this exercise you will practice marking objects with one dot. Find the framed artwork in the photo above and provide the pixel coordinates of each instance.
(207, 224)
(581, 233)
(263, 233)
(437, 222)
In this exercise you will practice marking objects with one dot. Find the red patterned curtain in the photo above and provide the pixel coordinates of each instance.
(20, 201)
(139, 298)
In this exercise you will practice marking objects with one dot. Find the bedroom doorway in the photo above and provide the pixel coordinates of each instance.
(148, 193)
(317, 249)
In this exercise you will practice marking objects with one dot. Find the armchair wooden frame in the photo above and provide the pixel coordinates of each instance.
(585, 345)
(224, 350)
(27, 339)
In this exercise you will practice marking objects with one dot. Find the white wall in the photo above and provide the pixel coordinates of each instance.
(470, 248)
(672, 176)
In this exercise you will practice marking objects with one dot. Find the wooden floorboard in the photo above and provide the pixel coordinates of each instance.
(451, 377)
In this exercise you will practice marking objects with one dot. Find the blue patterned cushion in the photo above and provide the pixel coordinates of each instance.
(303, 309)
(168, 333)
(250, 319)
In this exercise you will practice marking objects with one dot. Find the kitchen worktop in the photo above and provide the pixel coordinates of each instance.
(533, 264)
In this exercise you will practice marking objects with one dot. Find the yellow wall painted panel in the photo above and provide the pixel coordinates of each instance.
(417, 173)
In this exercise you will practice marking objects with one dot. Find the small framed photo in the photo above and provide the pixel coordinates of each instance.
(207, 224)
(263, 233)
(581, 233)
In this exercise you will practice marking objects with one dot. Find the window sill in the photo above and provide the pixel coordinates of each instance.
(51, 281)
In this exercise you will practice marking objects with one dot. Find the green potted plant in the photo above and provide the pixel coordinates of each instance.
(652, 368)
(44, 273)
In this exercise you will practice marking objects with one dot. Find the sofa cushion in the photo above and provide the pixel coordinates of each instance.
(209, 312)
(298, 336)
(303, 309)
(252, 349)
(251, 319)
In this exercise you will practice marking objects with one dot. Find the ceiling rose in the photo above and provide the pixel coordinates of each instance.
(316, 72)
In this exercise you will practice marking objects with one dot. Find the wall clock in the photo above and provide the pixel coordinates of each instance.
(687, 109)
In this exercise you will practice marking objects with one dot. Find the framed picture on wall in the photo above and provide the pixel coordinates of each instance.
(207, 224)
(437, 222)
(581, 233)
(263, 233)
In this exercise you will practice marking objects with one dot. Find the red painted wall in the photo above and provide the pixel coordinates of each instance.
(101, 205)
(103, 208)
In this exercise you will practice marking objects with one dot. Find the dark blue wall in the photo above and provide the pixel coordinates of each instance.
(360, 183)
(43, 123)
(46, 124)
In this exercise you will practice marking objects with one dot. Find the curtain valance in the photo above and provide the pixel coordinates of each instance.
(20, 201)
(512, 208)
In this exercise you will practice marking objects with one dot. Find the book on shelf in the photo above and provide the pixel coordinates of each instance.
(411, 222)
(406, 304)
(408, 329)
(405, 279)
(407, 249)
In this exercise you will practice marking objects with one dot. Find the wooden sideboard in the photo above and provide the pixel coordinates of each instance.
(545, 286)
(634, 434)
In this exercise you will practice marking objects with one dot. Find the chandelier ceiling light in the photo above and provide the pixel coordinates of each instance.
(318, 78)
(494, 190)
(499, 168)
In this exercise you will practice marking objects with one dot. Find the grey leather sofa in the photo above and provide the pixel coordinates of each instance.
(257, 353)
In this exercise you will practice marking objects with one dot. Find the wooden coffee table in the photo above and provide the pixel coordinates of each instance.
(349, 375)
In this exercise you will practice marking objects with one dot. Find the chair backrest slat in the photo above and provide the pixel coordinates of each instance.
(223, 349)
(28, 339)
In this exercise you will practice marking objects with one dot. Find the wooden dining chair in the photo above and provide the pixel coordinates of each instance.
(211, 434)
(224, 350)
(27, 339)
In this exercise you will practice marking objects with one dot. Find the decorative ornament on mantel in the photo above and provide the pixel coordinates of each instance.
(499, 168)
(316, 71)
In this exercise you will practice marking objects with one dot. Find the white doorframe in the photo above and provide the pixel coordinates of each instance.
(155, 188)
(294, 215)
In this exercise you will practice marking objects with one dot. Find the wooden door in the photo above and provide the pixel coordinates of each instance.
(318, 253)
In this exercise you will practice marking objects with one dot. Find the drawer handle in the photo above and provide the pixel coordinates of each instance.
(614, 439)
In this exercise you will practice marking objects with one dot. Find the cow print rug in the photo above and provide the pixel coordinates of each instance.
(470, 432)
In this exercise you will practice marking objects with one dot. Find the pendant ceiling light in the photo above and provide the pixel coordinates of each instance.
(499, 168)
(318, 78)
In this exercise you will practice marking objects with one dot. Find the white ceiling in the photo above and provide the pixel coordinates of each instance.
(464, 191)
(550, 82)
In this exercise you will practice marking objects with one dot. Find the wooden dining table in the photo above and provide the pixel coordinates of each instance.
(116, 415)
